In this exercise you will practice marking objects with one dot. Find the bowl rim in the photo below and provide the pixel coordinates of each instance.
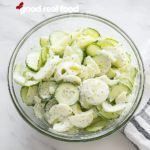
(80, 140)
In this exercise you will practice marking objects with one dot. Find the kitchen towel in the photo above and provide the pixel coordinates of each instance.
(138, 129)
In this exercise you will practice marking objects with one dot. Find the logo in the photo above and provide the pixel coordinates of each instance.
(20, 5)
(56, 8)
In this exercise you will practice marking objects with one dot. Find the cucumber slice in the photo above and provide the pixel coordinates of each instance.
(118, 54)
(57, 50)
(133, 71)
(127, 83)
(117, 107)
(17, 76)
(72, 55)
(48, 68)
(98, 118)
(73, 58)
(74, 43)
(44, 90)
(37, 100)
(73, 130)
(82, 120)
(49, 104)
(65, 69)
(98, 125)
(116, 90)
(23, 94)
(44, 52)
(19, 79)
(38, 110)
(78, 51)
(107, 115)
(94, 111)
(129, 69)
(114, 42)
(27, 95)
(84, 103)
(129, 98)
(95, 91)
(87, 72)
(32, 91)
(121, 98)
(104, 43)
(92, 32)
(51, 90)
(89, 61)
(107, 80)
(63, 126)
(128, 59)
(28, 74)
(76, 109)
(33, 61)
(76, 34)
(72, 79)
(56, 36)
(66, 41)
(82, 44)
(40, 64)
(92, 49)
(67, 93)
(103, 62)
(84, 55)
(31, 83)
(44, 41)
(49, 79)
(111, 73)
(58, 112)
(109, 54)
(127, 76)
(68, 51)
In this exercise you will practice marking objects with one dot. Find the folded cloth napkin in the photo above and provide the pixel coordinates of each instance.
(138, 129)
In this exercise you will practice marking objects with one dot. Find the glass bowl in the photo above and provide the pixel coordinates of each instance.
(69, 22)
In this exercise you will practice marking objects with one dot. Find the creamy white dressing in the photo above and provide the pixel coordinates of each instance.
(81, 71)
(66, 68)
(73, 79)
(51, 90)
(63, 126)
(59, 111)
(87, 72)
(85, 42)
(95, 91)
(121, 98)
(37, 99)
(48, 69)
(109, 108)
(82, 120)
(84, 103)
(89, 61)
(17, 76)
(107, 80)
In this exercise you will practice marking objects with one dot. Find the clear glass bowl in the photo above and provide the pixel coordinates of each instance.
(69, 22)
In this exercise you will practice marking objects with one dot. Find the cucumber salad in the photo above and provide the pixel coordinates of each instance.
(77, 80)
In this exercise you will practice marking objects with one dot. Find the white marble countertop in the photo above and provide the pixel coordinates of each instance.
(15, 134)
